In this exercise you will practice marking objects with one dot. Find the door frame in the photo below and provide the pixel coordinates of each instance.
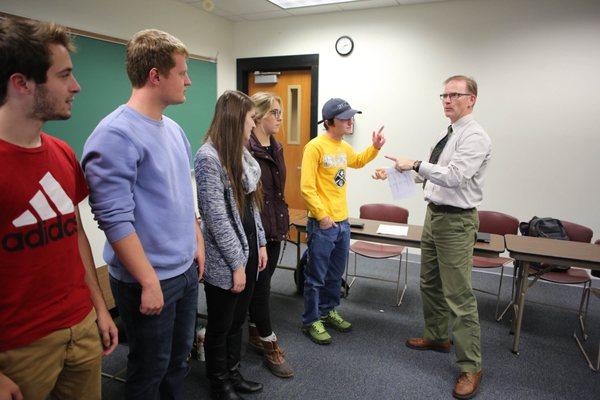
(284, 63)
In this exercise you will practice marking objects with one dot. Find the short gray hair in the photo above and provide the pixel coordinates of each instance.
(471, 84)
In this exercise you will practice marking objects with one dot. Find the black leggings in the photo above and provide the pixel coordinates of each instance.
(226, 314)
(260, 311)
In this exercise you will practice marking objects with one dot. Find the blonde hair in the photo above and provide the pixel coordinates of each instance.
(263, 103)
(149, 49)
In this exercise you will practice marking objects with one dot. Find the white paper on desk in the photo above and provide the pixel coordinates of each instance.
(402, 184)
(392, 230)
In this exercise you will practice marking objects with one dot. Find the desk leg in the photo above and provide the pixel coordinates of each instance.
(520, 305)
(515, 295)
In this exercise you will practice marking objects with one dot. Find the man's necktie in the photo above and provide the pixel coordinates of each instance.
(437, 150)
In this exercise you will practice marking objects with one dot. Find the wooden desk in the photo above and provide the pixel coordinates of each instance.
(527, 249)
(412, 239)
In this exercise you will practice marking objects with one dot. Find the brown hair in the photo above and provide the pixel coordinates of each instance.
(149, 49)
(471, 84)
(25, 49)
(329, 123)
(226, 132)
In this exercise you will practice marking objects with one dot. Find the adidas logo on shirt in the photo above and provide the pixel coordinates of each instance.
(43, 233)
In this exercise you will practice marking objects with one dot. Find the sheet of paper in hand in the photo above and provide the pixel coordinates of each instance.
(402, 184)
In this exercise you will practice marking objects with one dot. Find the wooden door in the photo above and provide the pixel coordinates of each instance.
(294, 89)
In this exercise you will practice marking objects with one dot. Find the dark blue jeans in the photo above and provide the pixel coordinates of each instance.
(158, 344)
(327, 254)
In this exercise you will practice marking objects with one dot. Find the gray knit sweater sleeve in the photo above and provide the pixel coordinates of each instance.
(262, 240)
(213, 209)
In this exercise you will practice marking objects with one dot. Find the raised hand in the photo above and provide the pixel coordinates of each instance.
(378, 138)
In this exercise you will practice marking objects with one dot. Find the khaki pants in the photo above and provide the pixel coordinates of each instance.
(64, 364)
(446, 264)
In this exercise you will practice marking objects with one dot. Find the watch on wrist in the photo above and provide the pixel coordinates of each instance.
(416, 166)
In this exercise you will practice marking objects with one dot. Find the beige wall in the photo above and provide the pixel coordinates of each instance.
(537, 64)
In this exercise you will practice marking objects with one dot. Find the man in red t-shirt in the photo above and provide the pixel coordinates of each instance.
(54, 322)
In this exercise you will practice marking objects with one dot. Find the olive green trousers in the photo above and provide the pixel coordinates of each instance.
(446, 264)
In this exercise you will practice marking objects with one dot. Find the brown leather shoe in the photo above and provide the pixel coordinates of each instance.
(467, 385)
(254, 338)
(275, 361)
(424, 344)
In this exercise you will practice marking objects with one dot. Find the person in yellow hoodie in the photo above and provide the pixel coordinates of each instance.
(323, 186)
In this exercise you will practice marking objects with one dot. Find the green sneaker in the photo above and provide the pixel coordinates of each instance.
(317, 333)
(335, 320)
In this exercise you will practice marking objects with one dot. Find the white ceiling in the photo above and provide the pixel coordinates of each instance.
(252, 10)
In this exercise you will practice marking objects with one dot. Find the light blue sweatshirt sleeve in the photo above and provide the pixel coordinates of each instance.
(110, 164)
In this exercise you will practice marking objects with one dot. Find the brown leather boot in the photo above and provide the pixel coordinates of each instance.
(424, 344)
(467, 385)
(254, 338)
(275, 361)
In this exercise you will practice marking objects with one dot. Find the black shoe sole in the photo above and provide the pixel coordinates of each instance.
(247, 391)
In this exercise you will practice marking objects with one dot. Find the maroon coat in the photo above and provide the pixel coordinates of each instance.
(275, 216)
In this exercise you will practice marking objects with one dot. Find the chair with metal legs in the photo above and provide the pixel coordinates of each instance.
(574, 275)
(583, 310)
(500, 224)
(387, 213)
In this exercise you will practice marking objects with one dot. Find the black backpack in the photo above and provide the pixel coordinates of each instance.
(550, 228)
(299, 276)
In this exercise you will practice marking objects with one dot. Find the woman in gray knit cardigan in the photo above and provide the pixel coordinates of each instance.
(229, 196)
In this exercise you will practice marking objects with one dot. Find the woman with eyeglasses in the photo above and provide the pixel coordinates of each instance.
(275, 219)
(229, 196)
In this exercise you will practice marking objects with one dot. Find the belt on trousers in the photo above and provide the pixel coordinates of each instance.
(448, 209)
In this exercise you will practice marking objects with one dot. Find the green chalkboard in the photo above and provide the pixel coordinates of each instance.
(99, 67)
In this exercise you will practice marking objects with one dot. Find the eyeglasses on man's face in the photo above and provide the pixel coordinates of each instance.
(276, 113)
(453, 96)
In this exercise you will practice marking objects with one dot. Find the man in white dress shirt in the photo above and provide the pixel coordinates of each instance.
(453, 181)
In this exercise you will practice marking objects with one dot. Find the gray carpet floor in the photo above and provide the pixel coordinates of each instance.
(372, 362)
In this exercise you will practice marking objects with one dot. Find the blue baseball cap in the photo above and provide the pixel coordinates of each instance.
(337, 108)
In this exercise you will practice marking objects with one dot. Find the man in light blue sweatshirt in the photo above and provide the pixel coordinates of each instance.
(136, 163)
